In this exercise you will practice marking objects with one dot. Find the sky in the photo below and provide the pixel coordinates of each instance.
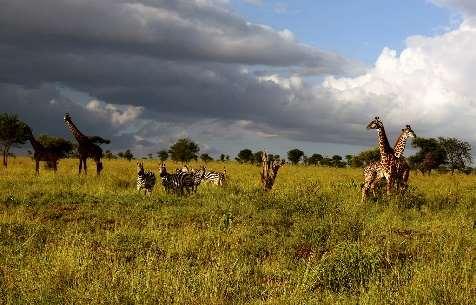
(234, 74)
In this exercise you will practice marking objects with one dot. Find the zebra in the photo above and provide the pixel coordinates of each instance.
(176, 182)
(198, 176)
(215, 178)
(145, 179)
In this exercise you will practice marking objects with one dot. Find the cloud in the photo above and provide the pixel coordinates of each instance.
(254, 2)
(150, 72)
(429, 84)
(191, 30)
(467, 7)
(118, 115)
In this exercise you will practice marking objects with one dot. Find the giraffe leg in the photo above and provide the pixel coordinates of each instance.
(85, 167)
(390, 182)
(373, 184)
(80, 165)
(37, 167)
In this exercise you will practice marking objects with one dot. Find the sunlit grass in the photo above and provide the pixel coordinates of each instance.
(75, 239)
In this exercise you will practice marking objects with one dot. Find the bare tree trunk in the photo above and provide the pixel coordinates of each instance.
(269, 171)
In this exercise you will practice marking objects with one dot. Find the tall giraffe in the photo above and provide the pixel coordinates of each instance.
(42, 153)
(86, 146)
(388, 162)
(373, 172)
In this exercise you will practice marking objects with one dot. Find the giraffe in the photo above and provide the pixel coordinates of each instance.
(42, 153)
(388, 162)
(402, 169)
(87, 147)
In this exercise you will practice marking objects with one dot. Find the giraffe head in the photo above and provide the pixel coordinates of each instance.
(375, 124)
(67, 117)
(408, 132)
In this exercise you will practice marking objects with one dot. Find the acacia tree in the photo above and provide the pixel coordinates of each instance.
(184, 150)
(315, 159)
(245, 155)
(206, 157)
(12, 133)
(128, 155)
(163, 155)
(458, 153)
(295, 155)
(258, 156)
(59, 146)
(430, 155)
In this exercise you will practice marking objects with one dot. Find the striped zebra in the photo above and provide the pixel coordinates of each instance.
(215, 178)
(177, 182)
(197, 175)
(145, 179)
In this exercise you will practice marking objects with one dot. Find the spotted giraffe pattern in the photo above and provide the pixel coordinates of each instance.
(372, 171)
(387, 166)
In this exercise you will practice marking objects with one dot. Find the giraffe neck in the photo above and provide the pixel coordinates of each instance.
(37, 146)
(400, 145)
(75, 131)
(385, 149)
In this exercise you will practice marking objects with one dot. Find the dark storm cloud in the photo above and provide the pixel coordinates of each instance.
(43, 109)
(183, 61)
(175, 30)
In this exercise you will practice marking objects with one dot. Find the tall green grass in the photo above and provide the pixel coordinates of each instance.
(69, 239)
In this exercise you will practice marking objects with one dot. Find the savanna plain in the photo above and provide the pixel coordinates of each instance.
(69, 239)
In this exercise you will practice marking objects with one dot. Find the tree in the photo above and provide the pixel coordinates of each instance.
(257, 157)
(128, 155)
(222, 158)
(59, 146)
(109, 155)
(427, 164)
(149, 155)
(227, 157)
(368, 156)
(429, 156)
(348, 159)
(315, 159)
(244, 156)
(163, 155)
(458, 153)
(184, 150)
(206, 157)
(13, 132)
(337, 161)
(295, 155)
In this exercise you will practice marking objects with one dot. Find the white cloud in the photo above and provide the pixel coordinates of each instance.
(118, 115)
(429, 84)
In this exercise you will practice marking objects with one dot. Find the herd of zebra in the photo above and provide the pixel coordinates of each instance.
(183, 181)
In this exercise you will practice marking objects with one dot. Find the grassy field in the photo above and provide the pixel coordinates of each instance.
(69, 239)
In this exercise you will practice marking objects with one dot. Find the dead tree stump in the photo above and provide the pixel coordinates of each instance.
(269, 171)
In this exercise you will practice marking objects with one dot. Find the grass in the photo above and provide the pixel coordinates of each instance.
(69, 239)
